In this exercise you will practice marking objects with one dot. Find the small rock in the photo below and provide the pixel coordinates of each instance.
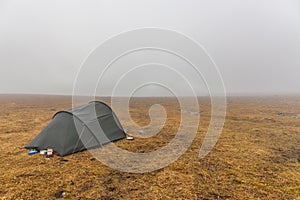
(60, 194)
(141, 131)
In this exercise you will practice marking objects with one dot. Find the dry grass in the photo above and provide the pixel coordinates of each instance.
(257, 156)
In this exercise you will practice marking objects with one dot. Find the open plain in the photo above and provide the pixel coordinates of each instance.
(257, 155)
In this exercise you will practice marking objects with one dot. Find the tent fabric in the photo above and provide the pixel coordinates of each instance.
(84, 127)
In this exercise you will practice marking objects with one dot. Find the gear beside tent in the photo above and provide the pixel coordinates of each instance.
(80, 128)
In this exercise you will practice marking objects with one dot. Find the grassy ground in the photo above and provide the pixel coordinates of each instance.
(256, 157)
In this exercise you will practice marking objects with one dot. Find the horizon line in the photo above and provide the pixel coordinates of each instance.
(105, 96)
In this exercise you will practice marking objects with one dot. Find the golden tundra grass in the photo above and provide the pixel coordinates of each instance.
(256, 157)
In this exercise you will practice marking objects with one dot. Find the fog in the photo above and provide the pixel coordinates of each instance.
(255, 44)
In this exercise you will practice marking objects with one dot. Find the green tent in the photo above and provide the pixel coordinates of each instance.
(84, 127)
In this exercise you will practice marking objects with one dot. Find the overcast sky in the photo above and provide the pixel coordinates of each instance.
(255, 43)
